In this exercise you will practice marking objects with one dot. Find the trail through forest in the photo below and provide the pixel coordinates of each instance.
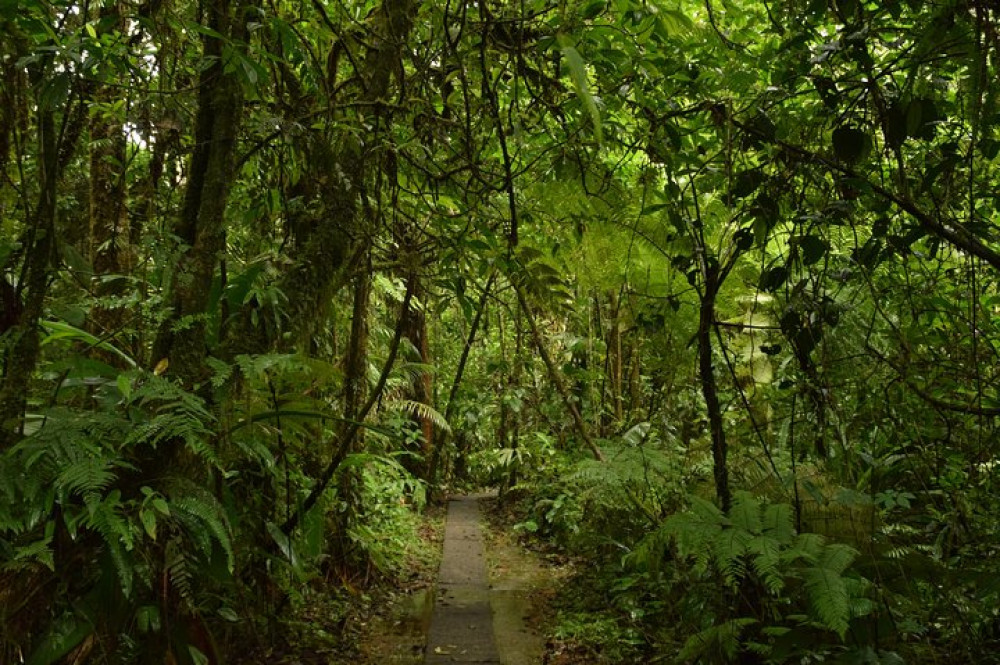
(711, 288)
(483, 607)
(461, 627)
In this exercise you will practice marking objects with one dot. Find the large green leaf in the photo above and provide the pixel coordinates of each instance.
(581, 83)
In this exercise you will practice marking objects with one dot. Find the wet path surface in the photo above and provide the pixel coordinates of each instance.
(461, 630)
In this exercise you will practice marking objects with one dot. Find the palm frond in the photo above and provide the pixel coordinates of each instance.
(421, 410)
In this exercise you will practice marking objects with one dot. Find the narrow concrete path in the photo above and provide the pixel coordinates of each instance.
(461, 630)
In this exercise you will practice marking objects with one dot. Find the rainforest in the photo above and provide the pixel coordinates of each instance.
(679, 319)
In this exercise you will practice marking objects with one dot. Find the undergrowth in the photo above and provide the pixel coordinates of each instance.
(664, 575)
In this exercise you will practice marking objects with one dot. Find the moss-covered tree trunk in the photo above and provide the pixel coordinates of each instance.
(614, 363)
(356, 360)
(201, 226)
(415, 332)
(109, 241)
(336, 184)
(354, 394)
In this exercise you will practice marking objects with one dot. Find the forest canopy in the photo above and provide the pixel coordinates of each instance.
(709, 287)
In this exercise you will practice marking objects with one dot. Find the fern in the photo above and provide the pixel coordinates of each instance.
(827, 587)
(40, 551)
(632, 477)
(104, 517)
(87, 475)
(766, 562)
(258, 366)
(745, 514)
(719, 643)
(806, 546)
(412, 370)
(204, 521)
(286, 367)
(729, 548)
(179, 572)
(695, 530)
(636, 435)
(837, 557)
(177, 415)
(778, 522)
(828, 596)
(758, 540)
(423, 411)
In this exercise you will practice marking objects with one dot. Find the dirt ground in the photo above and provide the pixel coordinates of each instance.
(396, 631)
(522, 585)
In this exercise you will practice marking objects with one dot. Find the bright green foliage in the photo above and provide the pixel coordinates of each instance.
(71, 477)
(755, 544)
(757, 243)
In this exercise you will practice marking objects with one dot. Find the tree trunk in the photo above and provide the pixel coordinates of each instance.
(355, 391)
(453, 393)
(23, 344)
(108, 241)
(615, 360)
(512, 385)
(415, 331)
(557, 379)
(336, 182)
(634, 376)
(709, 389)
(182, 337)
(503, 423)
(356, 361)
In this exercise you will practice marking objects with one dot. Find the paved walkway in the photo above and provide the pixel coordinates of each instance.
(461, 629)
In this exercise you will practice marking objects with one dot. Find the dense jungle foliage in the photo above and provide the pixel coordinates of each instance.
(708, 287)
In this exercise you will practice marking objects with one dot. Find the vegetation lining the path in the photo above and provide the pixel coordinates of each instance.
(711, 284)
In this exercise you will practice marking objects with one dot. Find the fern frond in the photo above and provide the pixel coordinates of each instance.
(423, 411)
(221, 371)
(729, 548)
(257, 366)
(693, 536)
(717, 643)
(829, 599)
(179, 572)
(636, 434)
(837, 557)
(778, 522)
(766, 562)
(808, 546)
(177, 415)
(651, 551)
(204, 521)
(90, 474)
(256, 448)
(40, 551)
(861, 607)
(413, 370)
(628, 479)
(746, 513)
(163, 394)
(104, 516)
(706, 511)
(171, 426)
